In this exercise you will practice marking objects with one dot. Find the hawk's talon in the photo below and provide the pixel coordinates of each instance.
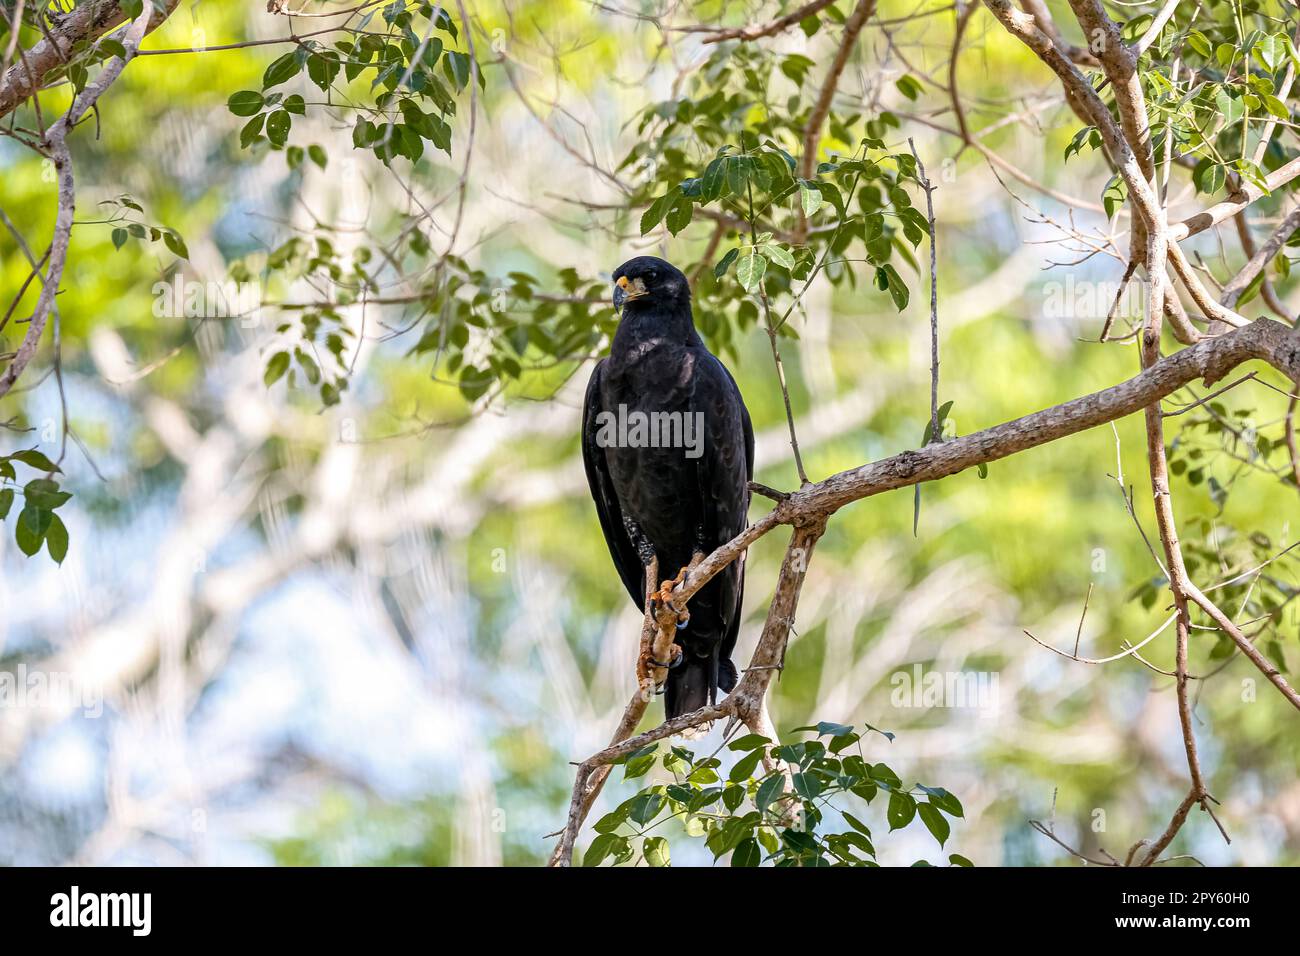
(664, 596)
(674, 663)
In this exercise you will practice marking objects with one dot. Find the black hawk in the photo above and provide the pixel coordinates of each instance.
(669, 452)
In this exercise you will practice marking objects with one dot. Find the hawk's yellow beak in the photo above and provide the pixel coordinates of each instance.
(632, 288)
(625, 290)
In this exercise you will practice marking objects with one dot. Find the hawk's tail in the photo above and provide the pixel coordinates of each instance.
(695, 682)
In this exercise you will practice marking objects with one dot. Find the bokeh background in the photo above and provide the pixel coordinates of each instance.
(380, 632)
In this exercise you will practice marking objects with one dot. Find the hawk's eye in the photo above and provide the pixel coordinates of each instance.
(652, 274)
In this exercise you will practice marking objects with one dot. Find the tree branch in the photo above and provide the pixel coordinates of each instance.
(1239, 199)
(1262, 257)
(813, 128)
(1077, 54)
(85, 23)
(760, 30)
(55, 142)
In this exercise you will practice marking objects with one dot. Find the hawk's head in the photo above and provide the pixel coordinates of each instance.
(647, 279)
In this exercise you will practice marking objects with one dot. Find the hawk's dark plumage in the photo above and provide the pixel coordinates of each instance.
(671, 502)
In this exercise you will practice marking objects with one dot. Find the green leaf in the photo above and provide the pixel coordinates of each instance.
(282, 70)
(859, 841)
(601, 847)
(1197, 41)
(364, 133)
(111, 47)
(702, 776)
(1208, 176)
(945, 801)
(1076, 143)
(956, 859)
(1276, 107)
(56, 539)
(432, 50)
(276, 368)
(277, 127)
(645, 807)
(769, 790)
(909, 86)
(173, 241)
(655, 851)
(308, 365)
(902, 808)
(751, 269)
(612, 820)
(30, 528)
(638, 766)
(251, 131)
(796, 66)
(809, 197)
(826, 728)
(679, 216)
(738, 173)
(32, 457)
(748, 742)
(713, 180)
(733, 796)
(780, 255)
(1269, 51)
(831, 193)
(888, 280)
(45, 494)
(744, 768)
(456, 65)
(245, 102)
(317, 154)
(323, 69)
(1115, 194)
(806, 785)
(6, 502)
(843, 741)
(934, 821)
(746, 853)
(725, 263)
(882, 774)
(857, 824)
(655, 214)
(731, 833)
